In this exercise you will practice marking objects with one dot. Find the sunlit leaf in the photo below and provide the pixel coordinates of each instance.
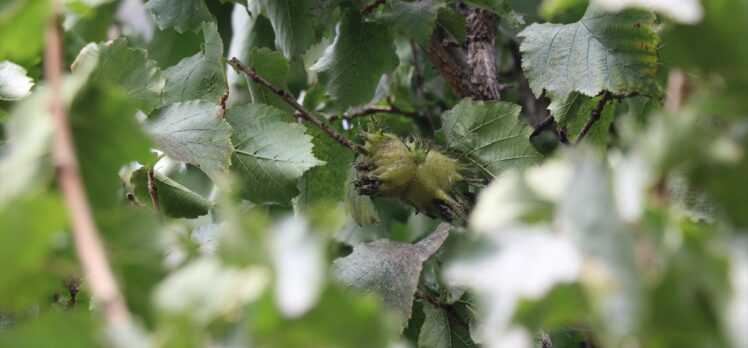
(14, 84)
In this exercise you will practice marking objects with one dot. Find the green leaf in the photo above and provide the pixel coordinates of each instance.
(271, 154)
(181, 15)
(353, 65)
(489, 135)
(21, 26)
(14, 84)
(168, 47)
(600, 235)
(174, 199)
(126, 68)
(273, 67)
(442, 330)
(326, 183)
(133, 240)
(602, 51)
(340, 319)
(360, 207)
(75, 328)
(453, 22)
(25, 163)
(25, 248)
(201, 76)
(192, 132)
(292, 24)
(550, 9)
(574, 112)
(415, 19)
(389, 269)
(206, 289)
(107, 137)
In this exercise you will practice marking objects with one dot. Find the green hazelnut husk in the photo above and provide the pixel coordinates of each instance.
(407, 171)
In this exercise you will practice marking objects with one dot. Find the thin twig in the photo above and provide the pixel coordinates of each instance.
(153, 191)
(594, 115)
(547, 122)
(301, 111)
(371, 7)
(374, 109)
(134, 200)
(88, 246)
(222, 103)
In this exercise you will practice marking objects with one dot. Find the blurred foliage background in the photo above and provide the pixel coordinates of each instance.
(636, 237)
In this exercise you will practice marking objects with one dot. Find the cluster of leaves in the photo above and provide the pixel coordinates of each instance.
(229, 221)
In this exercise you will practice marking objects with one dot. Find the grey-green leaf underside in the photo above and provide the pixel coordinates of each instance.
(616, 52)
(192, 132)
(389, 269)
(488, 134)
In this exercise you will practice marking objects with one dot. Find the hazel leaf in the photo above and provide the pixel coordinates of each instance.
(353, 65)
(174, 199)
(271, 154)
(192, 132)
(616, 52)
(389, 269)
(181, 15)
(488, 134)
(199, 77)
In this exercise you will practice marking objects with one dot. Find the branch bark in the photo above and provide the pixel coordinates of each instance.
(447, 57)
(471, 71)
(300, 110)
(153, 191)
(481, 54)
(594, 116)
(88, 246)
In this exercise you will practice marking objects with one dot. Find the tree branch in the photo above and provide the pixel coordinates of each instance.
(481, 53)
(447, 57)
(594, 115)
(300, 110)
(88, 247)
(371, 7)
(153, 191)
